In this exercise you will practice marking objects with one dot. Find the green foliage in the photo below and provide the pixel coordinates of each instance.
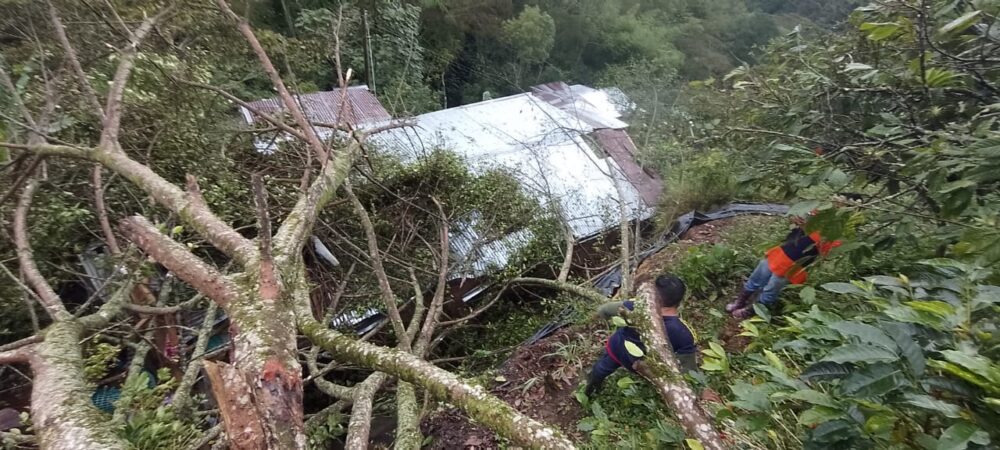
(697, 181)
(708, 269)
(144, 420)
(908, 369)
(531, 34)
(101, 359)
(629, 414)
(327, 431)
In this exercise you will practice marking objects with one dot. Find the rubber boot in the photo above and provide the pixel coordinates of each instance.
(593, 384)
(741, 301)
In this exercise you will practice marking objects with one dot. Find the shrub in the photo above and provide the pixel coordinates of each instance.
(708, 269)
(888, 362)
(700, 182)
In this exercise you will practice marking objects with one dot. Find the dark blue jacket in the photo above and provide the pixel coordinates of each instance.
(680, 336)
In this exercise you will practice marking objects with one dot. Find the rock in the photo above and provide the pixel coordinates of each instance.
(9, 419)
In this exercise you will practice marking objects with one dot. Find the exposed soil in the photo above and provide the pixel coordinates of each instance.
(541, 384)
(534, 380)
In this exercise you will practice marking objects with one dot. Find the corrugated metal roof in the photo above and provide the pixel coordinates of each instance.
(543, 146)
(619, 145)
(597, 108)
(361, 109)
(475, 255)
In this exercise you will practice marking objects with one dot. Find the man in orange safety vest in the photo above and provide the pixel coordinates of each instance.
(782, 265)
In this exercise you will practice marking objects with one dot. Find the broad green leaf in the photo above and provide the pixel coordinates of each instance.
(959, 435)
(802, 209)
(907, 314)
(714, 365)
(961, 23)
(821, 332)
(865, 333)
(980, 365)
(762, 312)
(753, 397)
(986, 148)
(634, 350)
(932, 404)
(775, 361)
(719, 351)
(857, 66)
(598, 411)
(825, 370)
(879, 31)
(873, 381)
(619, 321)
(814, 397)
(853, 353)
(956, 185)
(905, 338)
(819, 414)
(844, 288)
(964, 374)
(880, 423)
(808, 295)
(749, 329)
(937, 308)
(694, 444)
(177, 230)
(882, 280)
(625, 382)
(833, 430)
(937, 77)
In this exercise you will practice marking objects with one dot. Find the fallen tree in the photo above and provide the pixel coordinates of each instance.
(266, 296)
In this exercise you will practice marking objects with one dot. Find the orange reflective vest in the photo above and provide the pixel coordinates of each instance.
(799, 250)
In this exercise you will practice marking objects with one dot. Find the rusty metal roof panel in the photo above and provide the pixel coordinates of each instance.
(598, 108)
(361, 109)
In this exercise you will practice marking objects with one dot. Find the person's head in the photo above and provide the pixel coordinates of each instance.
(670, 290)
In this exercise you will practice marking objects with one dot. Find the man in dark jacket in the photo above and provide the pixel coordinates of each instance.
(670, 291)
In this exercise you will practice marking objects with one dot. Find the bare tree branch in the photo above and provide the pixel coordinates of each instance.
(279, 85)
(102, 211)
(295, 230)
(663, 370)
(74, 62)
(623, 231)
(189, 206)
(444, 385)
(277, 122)
(165, 310)
(46, 295)
(16, 356)
(176, 257)
(113, 107)
(15, 96)
(361, 413)
(268, 282)
(182, 395)
(437, 302)
(375, 255)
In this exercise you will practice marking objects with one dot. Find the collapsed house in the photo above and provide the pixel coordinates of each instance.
(565, 144)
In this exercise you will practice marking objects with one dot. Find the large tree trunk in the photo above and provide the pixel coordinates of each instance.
(63, 415)
(474, 400)
(663, 370)
(264, 369)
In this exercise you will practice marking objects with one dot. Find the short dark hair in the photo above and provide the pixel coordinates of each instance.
(670, 290)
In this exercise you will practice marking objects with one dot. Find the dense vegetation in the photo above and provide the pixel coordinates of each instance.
(883, 120)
